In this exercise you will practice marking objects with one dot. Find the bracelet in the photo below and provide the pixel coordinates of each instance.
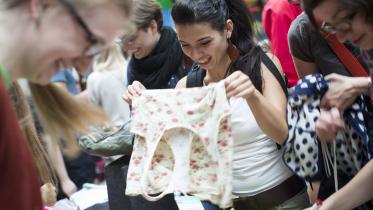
(316, 205)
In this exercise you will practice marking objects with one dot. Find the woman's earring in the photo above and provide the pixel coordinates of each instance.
(233, 52)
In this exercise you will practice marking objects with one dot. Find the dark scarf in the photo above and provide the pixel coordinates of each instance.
(156, 70)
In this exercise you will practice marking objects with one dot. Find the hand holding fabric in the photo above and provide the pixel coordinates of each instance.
(133, 90)
(239, 84)
(341, 93)
(328, 124)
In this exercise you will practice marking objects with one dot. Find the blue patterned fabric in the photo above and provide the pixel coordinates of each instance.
(302, 150)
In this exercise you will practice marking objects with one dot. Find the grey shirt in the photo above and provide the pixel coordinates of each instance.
(308, 45)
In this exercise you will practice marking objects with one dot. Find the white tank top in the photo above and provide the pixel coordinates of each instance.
(257, 162)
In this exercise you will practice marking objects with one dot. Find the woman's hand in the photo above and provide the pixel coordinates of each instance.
(342, 92)
(239, 84)
(68, 187)
(328, 124)
(48, 194)
(133, 90)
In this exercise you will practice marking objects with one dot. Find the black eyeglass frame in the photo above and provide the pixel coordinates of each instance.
(91, 38)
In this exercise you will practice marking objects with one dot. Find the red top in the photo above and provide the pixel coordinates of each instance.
(19, 182)
(277, 18)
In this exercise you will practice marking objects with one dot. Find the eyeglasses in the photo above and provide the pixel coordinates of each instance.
(94, 48)
(343, 25)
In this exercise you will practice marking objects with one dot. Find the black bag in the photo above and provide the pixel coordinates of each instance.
(116, 176)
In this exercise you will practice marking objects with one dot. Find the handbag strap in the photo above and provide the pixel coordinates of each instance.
(348, 59)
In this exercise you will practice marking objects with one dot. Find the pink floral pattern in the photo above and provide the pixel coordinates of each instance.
(201, 112)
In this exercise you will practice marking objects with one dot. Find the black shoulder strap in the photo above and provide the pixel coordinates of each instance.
(274, 70)
(195, 77)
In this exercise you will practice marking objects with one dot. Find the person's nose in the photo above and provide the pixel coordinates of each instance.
(196, 54)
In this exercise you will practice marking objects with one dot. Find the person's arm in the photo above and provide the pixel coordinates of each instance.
(304, 68)
(55, 155)
(300, 46)
(356, 192)
(269, 108)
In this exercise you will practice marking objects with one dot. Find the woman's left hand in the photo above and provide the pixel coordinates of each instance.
(239, 84)
(341, 93)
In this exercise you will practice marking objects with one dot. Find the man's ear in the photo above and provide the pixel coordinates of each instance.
(153, 26)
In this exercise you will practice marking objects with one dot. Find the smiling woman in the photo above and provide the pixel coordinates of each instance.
(350, 20)
(157, 59)
(40, 36)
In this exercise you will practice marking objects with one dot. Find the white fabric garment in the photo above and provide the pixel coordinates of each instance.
(183, 143)
(257, 162)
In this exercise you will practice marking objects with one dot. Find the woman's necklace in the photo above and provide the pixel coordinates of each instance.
(227, 72)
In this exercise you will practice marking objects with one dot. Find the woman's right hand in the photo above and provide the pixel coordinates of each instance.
(133, 90)
(328, 124)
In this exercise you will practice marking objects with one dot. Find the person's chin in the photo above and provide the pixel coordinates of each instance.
(45, 77)
(367, 44)
(138, 56)
(363, 42)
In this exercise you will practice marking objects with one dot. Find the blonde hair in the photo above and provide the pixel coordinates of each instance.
(63, 115)
(27, 125)
(110, 59)
(124, 5)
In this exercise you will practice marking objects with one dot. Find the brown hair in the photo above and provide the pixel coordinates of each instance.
(144, 11)
(27, 125)
(63, 115)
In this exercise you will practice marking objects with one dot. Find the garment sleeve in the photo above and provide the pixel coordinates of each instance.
(299, 37)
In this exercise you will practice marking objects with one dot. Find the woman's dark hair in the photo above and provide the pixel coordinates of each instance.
(216, 13)
(364, 7)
